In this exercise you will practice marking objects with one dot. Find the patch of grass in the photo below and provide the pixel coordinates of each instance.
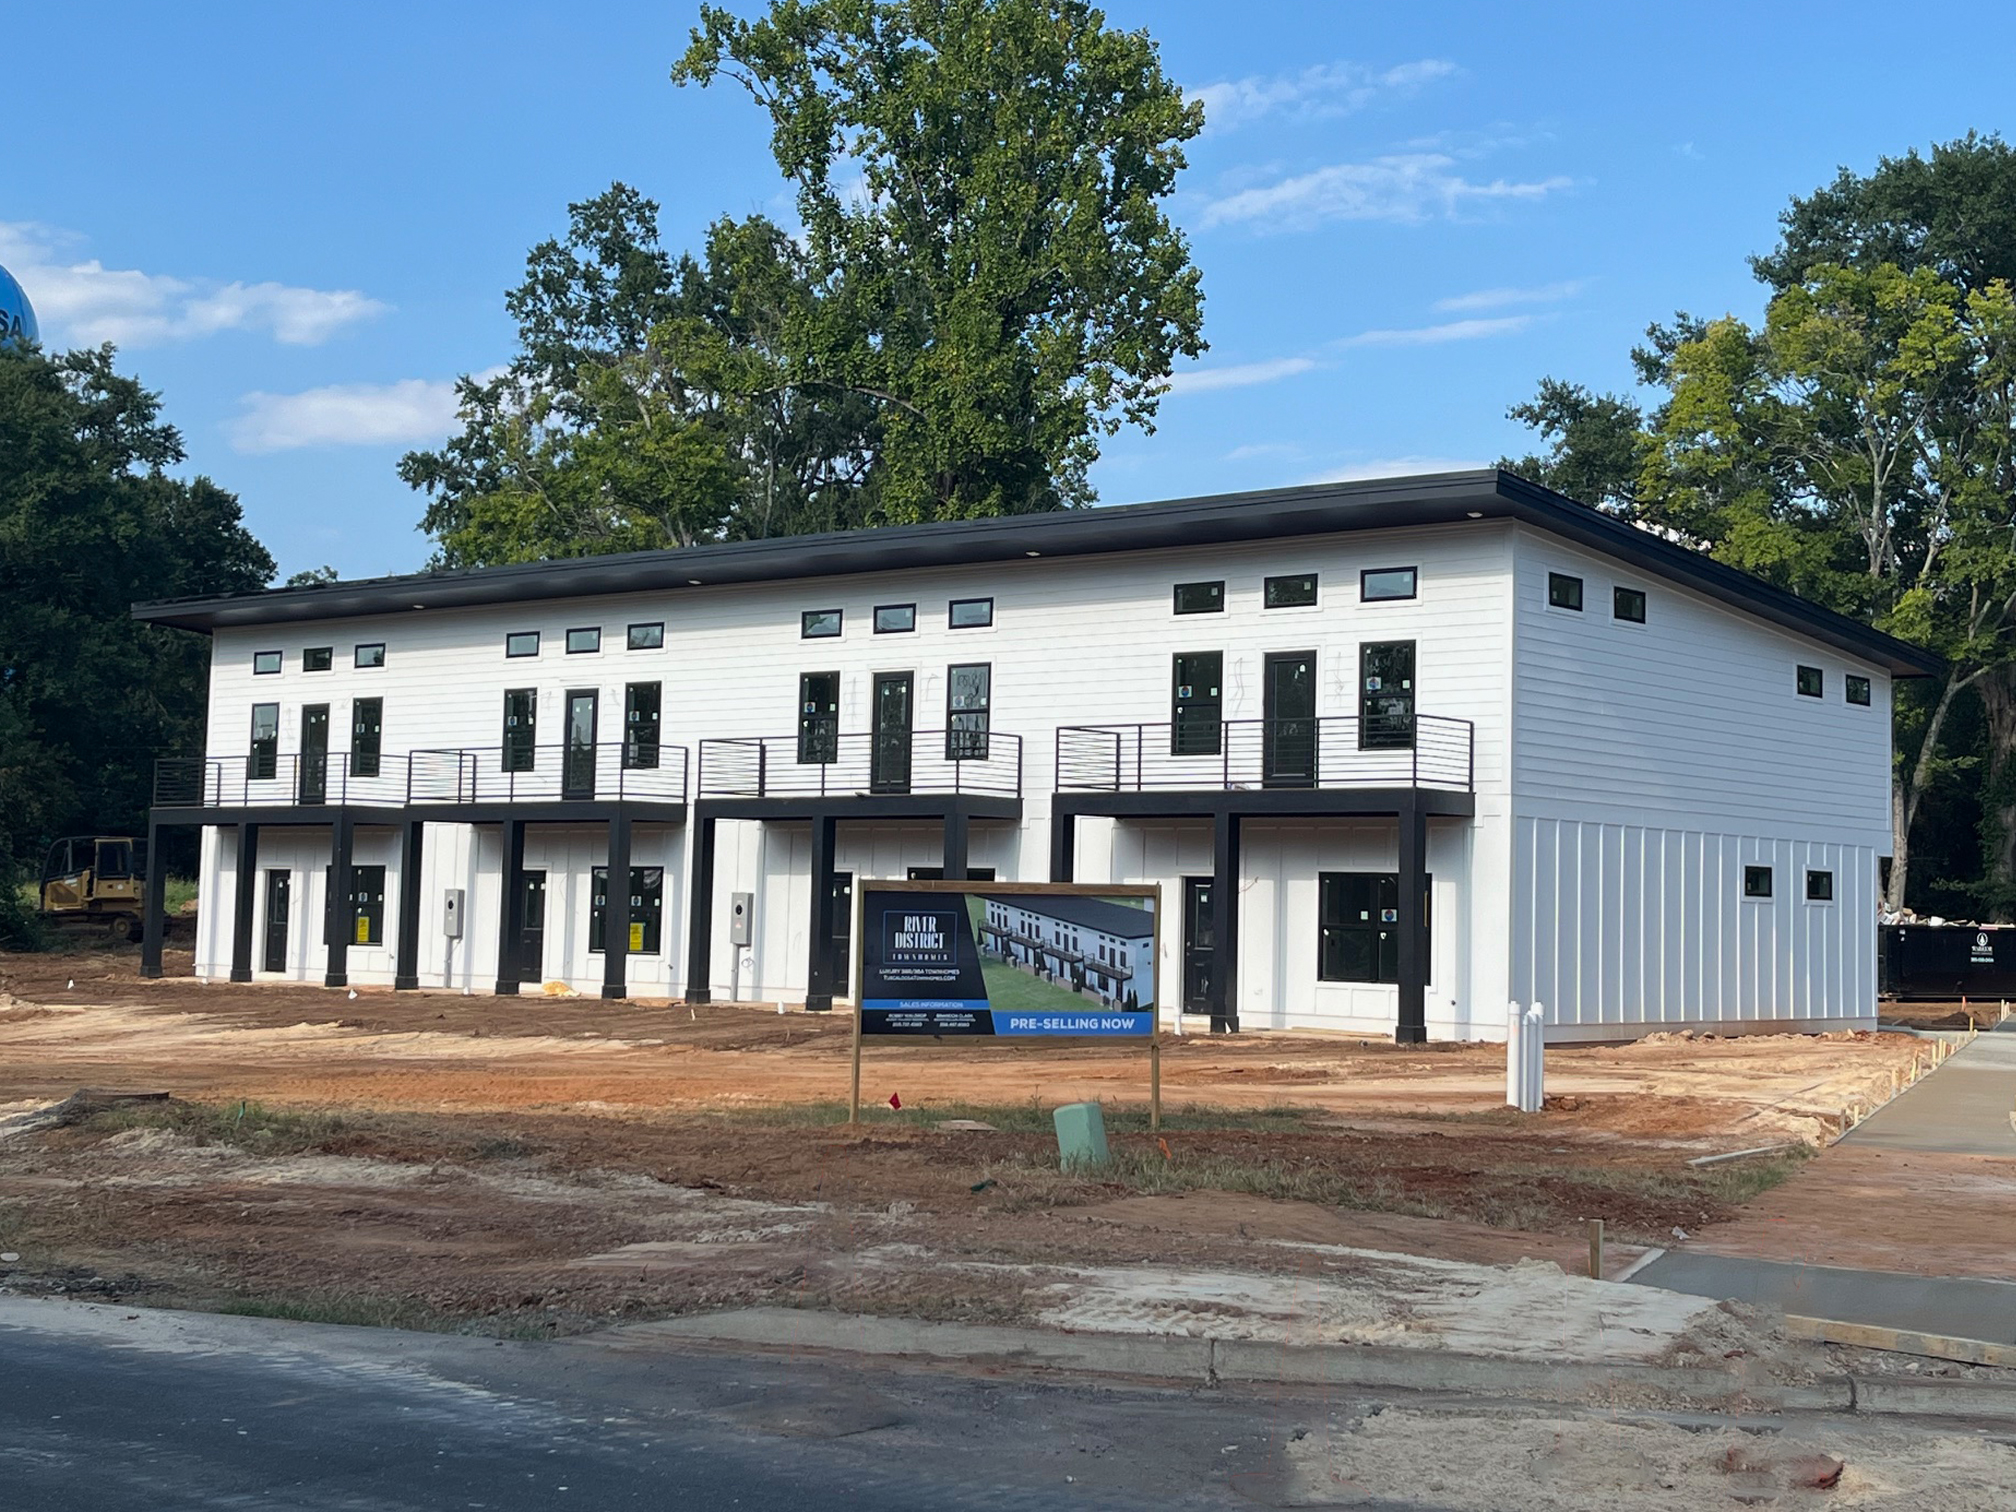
(1738, 1181)
(177, 893)
(1038, 1181)
(243, 1125)
(1032, 1117)
(367, 1310)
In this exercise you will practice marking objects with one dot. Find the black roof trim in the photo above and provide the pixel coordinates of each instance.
(1321, 509)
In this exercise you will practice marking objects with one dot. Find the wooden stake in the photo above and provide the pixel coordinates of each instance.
(1155, 1082)
(854, 1096)
(1595, 1249)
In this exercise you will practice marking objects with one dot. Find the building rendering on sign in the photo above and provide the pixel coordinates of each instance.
(1094, 946)
(1396, 752)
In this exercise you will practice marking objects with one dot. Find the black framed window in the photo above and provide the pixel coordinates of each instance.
(1376, 584)
(895, 619)
(1819, 887)
(584, 640)
(1197, 703)
(367, 905)
(367, 735)
(969, 692)
(641, 711)
(368, 654)
(969, 614)
(522, 643)
(1290, 592)
(818, 718)
(521, 729)
(1358, 926)
(1812, 683)
(647, 637)
(819, 624)
(1756, 881)
(937, 874)
(1628, 604)
(1385, 695)
(647, 909)
(1564, 591)
(1858, 690)
(265, 663)
(263, 764)
(1200, 598)
(318, 659)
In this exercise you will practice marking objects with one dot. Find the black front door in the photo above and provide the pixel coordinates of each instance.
(1199, 951)
(1386, 695)
(314, 753)
(532, 926)
(1197, 701)
(577, 771)
(841, 970)
(279, 901)
(1289, 711)
(890, 765)
(818, 718)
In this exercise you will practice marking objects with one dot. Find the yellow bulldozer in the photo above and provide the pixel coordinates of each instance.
(96, 882)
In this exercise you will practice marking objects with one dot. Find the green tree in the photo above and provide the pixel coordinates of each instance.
(90, 522)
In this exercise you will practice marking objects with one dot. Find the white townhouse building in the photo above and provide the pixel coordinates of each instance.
(1396, 752)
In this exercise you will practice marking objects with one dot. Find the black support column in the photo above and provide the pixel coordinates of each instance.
(1412, 1028)
(956, 838)
(1224, 923)
(700, 913)
(406, 968)
(510, 918)
(819, 969)
(616, 911)
(338, 915)
(245, 881)
(1063, 844)
(154, 912)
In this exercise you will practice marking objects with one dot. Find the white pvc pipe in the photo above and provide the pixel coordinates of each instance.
(1515, 1065)
(1536, 1052)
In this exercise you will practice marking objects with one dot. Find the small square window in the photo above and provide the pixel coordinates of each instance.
(1858, 690)
(1756, 881)
(819, 624)
(522, 643)
(970, 614)
(1378, 583)
(1289, 592)
(369, 654)
(1564, 592)
(580, 641)
(1812, 682)
(1628, 604)
(265, 663)
(1819, 887)
(318, 658)
(1200, 598)
(895, 619)
(647, 637)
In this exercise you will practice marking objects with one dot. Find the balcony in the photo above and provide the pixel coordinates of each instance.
(274, 780)
(824, 764)
(1338, 753)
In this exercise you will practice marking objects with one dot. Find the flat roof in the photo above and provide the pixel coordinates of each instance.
(1219, 519)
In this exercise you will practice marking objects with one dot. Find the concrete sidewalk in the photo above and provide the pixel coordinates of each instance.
(1961, 1109)
(1956, 1307)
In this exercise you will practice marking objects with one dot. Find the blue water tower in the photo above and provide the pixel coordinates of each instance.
(17, 316)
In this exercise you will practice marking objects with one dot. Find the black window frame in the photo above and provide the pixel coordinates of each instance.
(644, 911)
(587, 650)
(1367, 574)
(1621, 596)
(1825, 878)
(262, 760)
(518, 751)
(1196, 725)
(907, 610)
(318, 659)
(1811, 682)
(1854, 684)
(1382, 726)
(367, 742)
(1562, 587)
(642, 753)
(967, 729)
(368, 655)
(1268, 587)
(806, 618)
(953, 606)
(1214, 591)
(267, 663)
(655, 641)
(1380, 956)
(514, 642)
(818, 733)
(1759, 883)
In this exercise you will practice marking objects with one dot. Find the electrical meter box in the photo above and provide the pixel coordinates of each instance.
(742, 919)
(451, 913)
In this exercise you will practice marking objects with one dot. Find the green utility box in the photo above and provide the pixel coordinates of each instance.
(1081, 1136)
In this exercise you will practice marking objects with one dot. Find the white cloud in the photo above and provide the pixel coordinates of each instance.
(1414, 466)
(1404, 187)
(1327, 89)
(1242, 375)
(83, 302)
(346, 414)
(1254, 450)
(1454, 330)
(1497, 299)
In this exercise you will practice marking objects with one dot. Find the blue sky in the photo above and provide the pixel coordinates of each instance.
(298, 222)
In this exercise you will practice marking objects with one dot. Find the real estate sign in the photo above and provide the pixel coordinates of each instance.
(1036, 959)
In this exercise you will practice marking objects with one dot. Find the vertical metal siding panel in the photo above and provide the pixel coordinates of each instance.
(1546, 912)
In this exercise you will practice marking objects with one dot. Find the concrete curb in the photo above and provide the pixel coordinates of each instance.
(1208, 1362)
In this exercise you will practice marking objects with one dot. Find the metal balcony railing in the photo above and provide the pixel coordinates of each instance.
(1337, 751)
(548, 773)
(277, 779)
(826, 764)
